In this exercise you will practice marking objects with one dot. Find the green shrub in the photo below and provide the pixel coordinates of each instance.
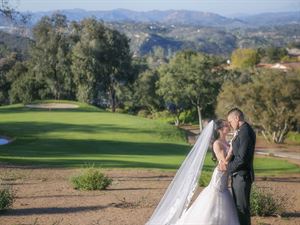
(91, 179)
(293, 137)
(120, 110)
(264, 203)
(188, 116)
(288, 59)
(164, 116)
(143, 113)
(204, 179)
(6, 198)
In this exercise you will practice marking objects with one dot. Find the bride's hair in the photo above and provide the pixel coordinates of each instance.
(219, 124)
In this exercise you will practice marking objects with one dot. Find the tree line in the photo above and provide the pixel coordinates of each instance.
(89, 62)
(85, 61)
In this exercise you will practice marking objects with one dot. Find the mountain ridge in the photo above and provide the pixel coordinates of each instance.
(188, 17)
(164, 34)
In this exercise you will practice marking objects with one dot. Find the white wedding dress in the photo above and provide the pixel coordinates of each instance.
(213, 206)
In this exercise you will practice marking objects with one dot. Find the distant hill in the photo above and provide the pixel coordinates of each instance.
(214, 40)
(169, 16)
(179, 17)
(175, 30)
(271, 19)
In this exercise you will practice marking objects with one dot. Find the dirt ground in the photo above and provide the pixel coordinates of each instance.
(45, 196)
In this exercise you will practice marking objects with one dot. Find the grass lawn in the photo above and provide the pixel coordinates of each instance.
(293, 137)
(88, 135)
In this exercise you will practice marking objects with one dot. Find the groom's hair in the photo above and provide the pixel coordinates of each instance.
(237, 112)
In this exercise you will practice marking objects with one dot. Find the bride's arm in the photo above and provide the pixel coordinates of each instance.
(220, 153)
(229, 154)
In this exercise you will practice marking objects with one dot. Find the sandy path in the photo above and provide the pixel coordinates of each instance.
(53, 106)
(45, 196)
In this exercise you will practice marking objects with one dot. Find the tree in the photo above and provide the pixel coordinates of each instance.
(275, 54)
(169, 87)
(244, 58)
(145, 90)
(118, 66)
(191, 78)
(101, 62)
(6, 64)
(8, 10)
(4, 88)
(50, 56)
(129, 95)
(270, 101)
(272, 54)
(25, 87)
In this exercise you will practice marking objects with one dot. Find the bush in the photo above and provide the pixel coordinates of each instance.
(189, 116)
(263, 203)
(143, 113)
(165, 116)
(91, 179)
(204, 179)
(120, 110)
(288, 59)
(161, 114)
(293, 137)
(6, 198)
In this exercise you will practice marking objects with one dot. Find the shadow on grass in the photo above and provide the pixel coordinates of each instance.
(27, 132)
(51, 210)
(36, 150)
(101, 163)
(95, 149)
(32, 129)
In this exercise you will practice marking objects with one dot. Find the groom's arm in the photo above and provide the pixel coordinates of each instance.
(242, 155)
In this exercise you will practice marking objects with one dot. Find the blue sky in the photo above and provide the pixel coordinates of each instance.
(218, 6)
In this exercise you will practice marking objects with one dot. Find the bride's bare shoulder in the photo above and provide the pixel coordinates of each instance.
(216, 144)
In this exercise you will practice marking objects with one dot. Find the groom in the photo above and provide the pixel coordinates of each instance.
(240, 167)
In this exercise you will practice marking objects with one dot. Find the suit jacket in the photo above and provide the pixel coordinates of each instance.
(243, 152)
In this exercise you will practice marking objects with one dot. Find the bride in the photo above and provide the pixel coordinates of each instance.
(214, 205)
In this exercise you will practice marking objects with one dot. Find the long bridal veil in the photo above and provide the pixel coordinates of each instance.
(179, 193)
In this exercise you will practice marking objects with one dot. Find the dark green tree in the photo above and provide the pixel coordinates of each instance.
(270, 100)
(118, 67)
(191, 77)
(145, 91)
(101, 62)
(6, 64)
(25, 87)
(275, 54)
(244, 58)
(50, 56)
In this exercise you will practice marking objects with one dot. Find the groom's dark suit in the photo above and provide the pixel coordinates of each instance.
(241, 170)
